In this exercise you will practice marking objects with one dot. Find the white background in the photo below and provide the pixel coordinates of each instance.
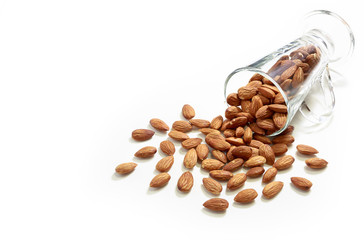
(76, 77)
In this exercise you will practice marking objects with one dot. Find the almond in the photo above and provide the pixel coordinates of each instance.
(301, 183)
(242, 152)
(281, 108)
(254, 127)
(272, 189)
(159, 124)
(280, 119)
(190, 159)
(268, 153)
(188, 112)
(256, 77)
(266, 124)
(233, 99)
(305, 67)
(288, 130)
(229, 154)
(254, 84)
(246, 196)
(271, 87)
(233, 165)
(209, 130)
(286, 139)
(160, 180)
(248, 135)
(265, 100)
(286, 84)
(236, 181)
(255, 105)
(221, 175)
(298, 78)
(269, 175)
(231, 112)
(219, 156)
(229, 133)
(216, 204)
(217, 142)
(255, 152)
(177, 135)
(312, 60)
(246, 93)
(255, 162)
(261, 138)
(235, 141)
(191, 143)
(284, 162)
(125, 168)
(146, 152)
(279, 98)
(279, 149)
(245, 105)
(255, 172)
(200, 123)
(288, 73)
(255, 143)
(224, 124)
(266, 92)
(185, 182)
(165, 164)
(217, 122)
(239, 132)
(316, 163)
(202, 151)
(182, 126)
(264, 112)
(167, 147)
(237, 122)
(306, 150)
(212, 186)
(142, 134)
(211, 164)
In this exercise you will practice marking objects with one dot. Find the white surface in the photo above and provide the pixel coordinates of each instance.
(78, 76)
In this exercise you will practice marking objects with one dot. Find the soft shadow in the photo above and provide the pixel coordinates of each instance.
(152, 191)
(314, 171)
(303, 157)
(183, 151)
(180, 194)
(141, 160)
(255, 179)
(157, 132)
(211, 213)
(229, 192)
(116, 177)
(243, 205)
(299, 191)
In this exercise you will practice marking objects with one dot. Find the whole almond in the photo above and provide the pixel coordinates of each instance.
(146, 152)
(269, 175)
(246, 93)
(229, 154)
(221, 175)
(246, 196)
(286, 84)
(219, 156)
(211, 164)
(235, 141)
(312, 60)
(255, 151)
(209, 130)
(281, 108)
(265, 100)
(212, 186)
(125, 168)
(306, 150)
(301, 183)
(316, 163)
(286, 139)
(255, 143)
(188, 112)
(190, 159)
(288, 130)
(233, 99)
(245, 105)
(266, 92)
(266, 124)
(254, 127)
(229, 133)
(280, 119)
(264, 112)
(167, 147)
(224, 125)
(248, 135)
(279, 149)
(255, 172)
(288, 73)
(202, 151)
(216, 204)
(255, 162)
(191, 143)
(263, 139)
(239, 132)
(182, 126)
(236, 181)
(298, 78)
(231, 112)
(165, 164)
(268, 153)
(272, 189)
(159, 124)
(217, 142)
(142, 134)
(200, 123)
(185, 182)
(255, 105)
(284, 162)
(233, 165)
(217, 122)
(243, 152)
(279, 98)
(160, 180)
(256, 77)
(237, 122)
(177, 135)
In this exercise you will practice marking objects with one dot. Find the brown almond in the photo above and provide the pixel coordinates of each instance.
(301, 183)
(306, 150)
(202, 151)
(255, 172)
(165, 164)
(272, 189)
(255, 143)
(305, 67)
(211, 164)
(229, 154)
(233, 99)
(279, 99)
(312, 60)
(188, 112)
(219, 156)
(239, 132)
(142, 134)
(255, 152)
(167, 147)
(243, 152)
(268, 153)
(233, 165)
(254, 127)
(246, 196)
(255, 105)
(284, 162)
(224, 124)
(266, 124)
(160, 180)
(212, 186)
(279, 149)
(235, 141)
(261, 138)
(254, 84)
(288, 130)
(177, 135)
(248, 135)
(216, 123)
(191, 143)
(200, 123)
(269, 175)
(159, 124)
(256, 77)
(216, 204)
(286, 84)
(255, 162)
(125, 168)
(185, 182)
(288, 73)
(190, 159)
(182, 126)
(146, 152)
(280, 119)
(229, 133)
(246, 93)
(266, 92)
(217, 142)
(316, 163)
(245, 105)
(231, 112)
(264, 112)
(281, 108)
(236, 181)
(298, 78)
(221, 175)
(286, 139)
(209, 130)
(237, 122)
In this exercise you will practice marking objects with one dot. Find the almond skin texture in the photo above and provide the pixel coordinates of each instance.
(221, 175)
(165, 164)
(209, 130)
(280, 108)
(243, 152)
(190, 159)
(229, 154)
(316, 163)
(234, 165)
(177, 135)
(306, 150)
(267, 152)
(233, 99)
(142, 134)
(167, 147)
(235, 141)
(255, 105)
(236, 181)
(264, 112)
(219, 156)
(217, 142)
(182, 126)
(239, 132)
(237, 122)
(269, 175)
(248, 135)
(191, 143)
(202, 151)
(125, 168)
(301, 183)
(286, 139)
(263, 139)
(211, 164)
(272, 189)
(246, 93)
(256, 161)
(246, 196)
(266, 124)
(216, 204)
(159, 124)
(200, 123)
(284, 162)
(185, 182)
(255, 143)
(279, 149)
(255, 172)
(146, 152)
(229, 133)
(217, 122)
(280, 119)
(212, 186)
(188, 112)
(160, 180)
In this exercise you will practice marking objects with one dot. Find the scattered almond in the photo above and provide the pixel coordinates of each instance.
(233, 165)
(269, 175)
(246, 196)
(212, 186)
(188, 112)
(200, 123)
(167, 147)
(219, 156)
(185, 182)
(217, 142)
(165, 164)
(255, 172)
(236, 181)
(279, 149)
(268, 153)
(191, 143)
(190, 159)
(142, 134)
(316, 163)
(284, 162)
(211, 164)
(146, 152)
(221, 175)
(177, 135)
(216, 123)
(306, 150)
(202, 151)
(272, 189)
(125, 168)
(301, 183)
(216, 204)
(159, 124)
(160, 180)
(182, 126)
